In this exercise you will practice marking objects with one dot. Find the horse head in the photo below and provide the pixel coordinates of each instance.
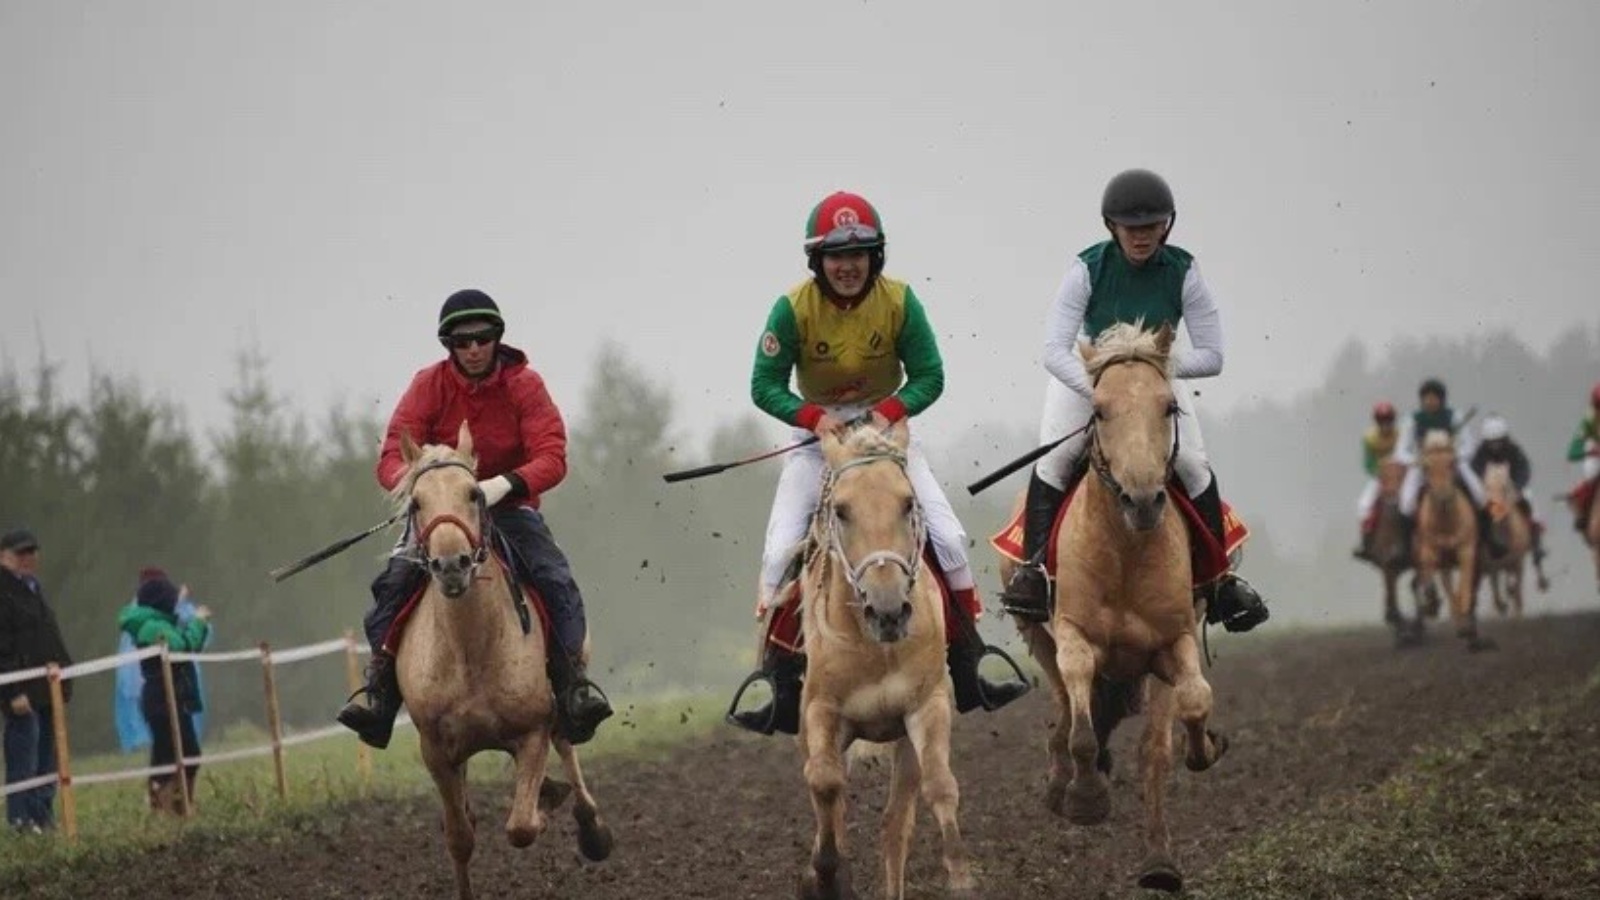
(872, 526)
(446, 510)
(1439, 459)
(1134, 432)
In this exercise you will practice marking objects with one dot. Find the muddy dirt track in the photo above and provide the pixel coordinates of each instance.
(1309, 716)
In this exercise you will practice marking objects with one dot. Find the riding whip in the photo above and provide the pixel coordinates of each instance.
(335, 549)
(987, 480)
(703, 471)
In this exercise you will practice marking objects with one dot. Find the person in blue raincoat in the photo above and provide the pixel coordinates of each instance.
(133, 733)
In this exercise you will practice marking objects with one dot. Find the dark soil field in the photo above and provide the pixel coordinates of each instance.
(1321, 725)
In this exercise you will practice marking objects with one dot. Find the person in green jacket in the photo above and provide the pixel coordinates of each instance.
(1585, 451)
(153, 620)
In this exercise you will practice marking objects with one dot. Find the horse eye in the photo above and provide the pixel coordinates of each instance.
(1099, 414)
(907, 506)
(415, 504)
(475, 495)
(843, 512)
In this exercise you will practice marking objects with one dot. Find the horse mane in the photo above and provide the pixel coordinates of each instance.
(1438, 439)
(431, 453)
(868, 441)
(1128, 342)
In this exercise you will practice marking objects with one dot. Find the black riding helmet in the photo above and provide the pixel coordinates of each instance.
(466, 306)
(1432, 386)
(1137, 197)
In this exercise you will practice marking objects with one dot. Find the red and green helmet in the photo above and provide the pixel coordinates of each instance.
(843, 221)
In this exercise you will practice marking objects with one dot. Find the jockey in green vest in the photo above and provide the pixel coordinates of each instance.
(1585, 451)
(858, 346)
(1134, 277)
(1432, 414)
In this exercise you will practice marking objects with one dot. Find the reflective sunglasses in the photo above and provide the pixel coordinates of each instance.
(468, 338)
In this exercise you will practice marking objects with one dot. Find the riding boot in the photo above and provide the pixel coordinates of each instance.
(1027, 594)
(965, 652)
(373, 721)
(580, 704)
(784, 670)
(1231, 601)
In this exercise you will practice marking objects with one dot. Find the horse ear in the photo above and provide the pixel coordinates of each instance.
(464, 439)
(1164, 338)
(900, 435)
(408, 448)
(1087, 351)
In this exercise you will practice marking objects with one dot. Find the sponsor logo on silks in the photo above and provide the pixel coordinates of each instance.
(822, 348)
(845, 217)
(770, 345)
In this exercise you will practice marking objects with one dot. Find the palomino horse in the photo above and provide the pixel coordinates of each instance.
(875, 661)
(1447, 537)
(1125, 606)
(1392, 557)
(1516, 536)
(471, 678)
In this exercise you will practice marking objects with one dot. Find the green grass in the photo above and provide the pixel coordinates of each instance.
(1513, 811)
(239, 799)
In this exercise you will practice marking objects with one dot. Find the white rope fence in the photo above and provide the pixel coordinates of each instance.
(268, 658)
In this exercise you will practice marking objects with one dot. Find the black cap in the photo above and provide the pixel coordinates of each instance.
(159, 593)
(19, 540)
(1432, 386)
(466, 305)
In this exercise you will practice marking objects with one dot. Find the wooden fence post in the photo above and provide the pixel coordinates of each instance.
(168, 688)
(352, 673)
(274, 720)
(58, 706)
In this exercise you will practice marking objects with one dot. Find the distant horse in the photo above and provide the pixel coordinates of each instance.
(1592, 535)
(1125, 606)
(1447, 538)
(1390, 555)
(471, 678)
(1504, 570)
(875, 662)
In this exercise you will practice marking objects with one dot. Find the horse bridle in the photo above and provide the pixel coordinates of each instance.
(478, 541)
(853, 573)
(1097, 455)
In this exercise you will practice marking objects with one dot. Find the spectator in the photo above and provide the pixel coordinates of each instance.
(133, 732)
(152, 620)
(29, 637)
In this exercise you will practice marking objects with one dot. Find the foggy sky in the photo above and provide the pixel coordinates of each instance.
(181, 180)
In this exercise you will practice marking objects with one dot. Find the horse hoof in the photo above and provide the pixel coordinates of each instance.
(1481, 645)
(1088, 800)
(522, 836)
(552, 794)
(1197, 762)
(1160, 874)
(595, 840)
(835, 887)
(1055, 797)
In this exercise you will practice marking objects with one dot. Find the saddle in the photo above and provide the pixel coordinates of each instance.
(1208, 559)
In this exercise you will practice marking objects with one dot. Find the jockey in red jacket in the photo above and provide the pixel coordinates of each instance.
(521, 445)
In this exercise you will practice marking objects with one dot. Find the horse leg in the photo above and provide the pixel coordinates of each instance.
(451, 779)
(1088, 795)
(1158, 872)
(595, 840)
(1043, 649)
(1179, 666)
(1494, 592)
(527, 821)
(1391, 605)
(928, 734)
(899, 818)
(829, 875)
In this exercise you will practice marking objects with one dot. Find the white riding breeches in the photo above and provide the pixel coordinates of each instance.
(800, 488)
(1066, 410)
(1590, 467)
(1411, 488)
(1367, 500)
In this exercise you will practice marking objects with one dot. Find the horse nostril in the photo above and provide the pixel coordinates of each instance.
(464, 561)
(1126, 500)
(905, 610)
(1161, 497)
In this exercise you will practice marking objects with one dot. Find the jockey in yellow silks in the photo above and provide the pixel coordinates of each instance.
(859, 347)
(1137, 277)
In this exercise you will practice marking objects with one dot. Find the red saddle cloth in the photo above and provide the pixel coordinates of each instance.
(1209, 560)
(391, 638)
(783, 626)
(1582, 498)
